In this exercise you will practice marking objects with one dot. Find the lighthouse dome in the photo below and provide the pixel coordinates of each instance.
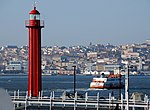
(34, 12)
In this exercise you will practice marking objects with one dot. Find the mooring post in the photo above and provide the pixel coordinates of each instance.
(121, 101)
(14, 106)
(148, 103)
(86, 98)
(64, 96)
(50, 104)
(18, 98)
(97, 100)
(18, 94)
(14, 94)
(53, 95)
(26, 102)
(75, 98)
(146, 100)
(109, 101)
(14, 99)
(112, 100)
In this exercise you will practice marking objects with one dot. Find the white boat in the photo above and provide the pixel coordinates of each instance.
(112, 81)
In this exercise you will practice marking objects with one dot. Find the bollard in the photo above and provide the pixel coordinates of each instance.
(97, 100)
(121, 101)
(50, 105)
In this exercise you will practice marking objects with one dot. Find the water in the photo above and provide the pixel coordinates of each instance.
(60, 83)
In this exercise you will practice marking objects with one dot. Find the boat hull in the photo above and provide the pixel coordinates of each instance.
(106, 83)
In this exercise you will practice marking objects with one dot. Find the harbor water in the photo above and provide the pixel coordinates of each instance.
(60, 83)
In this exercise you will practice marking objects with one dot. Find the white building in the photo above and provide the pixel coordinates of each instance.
(112, 68)
(14, 65)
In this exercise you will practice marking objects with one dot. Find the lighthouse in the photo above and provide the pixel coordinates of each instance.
(34, 25)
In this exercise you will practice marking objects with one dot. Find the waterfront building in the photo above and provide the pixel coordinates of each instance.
(14, 65)
(91, 55)
(100, 66)
(112, 68)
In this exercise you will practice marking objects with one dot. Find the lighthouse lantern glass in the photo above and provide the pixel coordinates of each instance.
(34, 17)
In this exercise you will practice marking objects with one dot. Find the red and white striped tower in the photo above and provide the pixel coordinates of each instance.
(34, 25)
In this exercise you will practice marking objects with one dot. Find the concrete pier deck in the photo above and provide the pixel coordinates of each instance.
(77, 103)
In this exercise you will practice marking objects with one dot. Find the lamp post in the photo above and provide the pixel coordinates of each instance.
(74, 69)
(127, 87)
(120, 84)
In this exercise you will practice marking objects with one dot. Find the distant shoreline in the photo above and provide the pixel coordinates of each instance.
(9, 74)
(22, 74)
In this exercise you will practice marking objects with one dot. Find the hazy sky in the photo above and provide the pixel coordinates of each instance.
(77, 22)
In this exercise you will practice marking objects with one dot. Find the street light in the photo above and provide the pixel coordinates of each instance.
(127, 86)
(120, 84)
(74, 68)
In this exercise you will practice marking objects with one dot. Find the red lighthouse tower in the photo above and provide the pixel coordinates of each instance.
(34, 25)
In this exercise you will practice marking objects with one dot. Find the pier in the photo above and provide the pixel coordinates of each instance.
(77, 102)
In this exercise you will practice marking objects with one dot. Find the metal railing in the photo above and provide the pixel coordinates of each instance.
(29, 23)
(77, 102)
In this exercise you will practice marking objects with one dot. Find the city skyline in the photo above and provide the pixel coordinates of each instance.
(69, 23)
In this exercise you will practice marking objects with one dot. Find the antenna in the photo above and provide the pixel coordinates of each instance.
(34, 5)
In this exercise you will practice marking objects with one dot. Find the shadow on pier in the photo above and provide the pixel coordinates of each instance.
(63, 108)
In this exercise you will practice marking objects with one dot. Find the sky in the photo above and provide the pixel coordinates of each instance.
(77, 22)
